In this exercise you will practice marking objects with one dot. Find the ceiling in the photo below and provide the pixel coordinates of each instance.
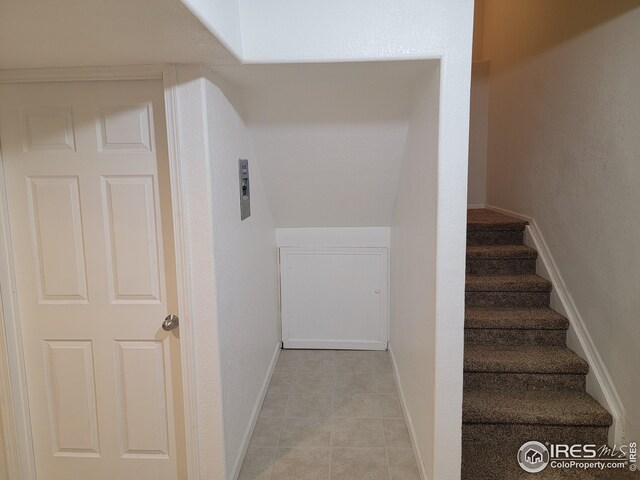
(65, 33)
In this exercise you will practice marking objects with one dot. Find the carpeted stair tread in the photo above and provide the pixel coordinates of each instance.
(514, 318)
(521, 382)
(482, 219)
(551, 407)
(500, 252)
(507, 283)
(523, 359)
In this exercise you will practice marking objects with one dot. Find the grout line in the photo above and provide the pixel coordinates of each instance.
(331, 418)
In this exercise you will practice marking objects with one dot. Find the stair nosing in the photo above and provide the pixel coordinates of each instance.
(507, 283)
(500, 252)
(514, 319)
(571, 364)
(513, 416)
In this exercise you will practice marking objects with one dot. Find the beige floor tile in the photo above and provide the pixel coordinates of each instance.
(356, 405)
(353, 362)
(403, 464)
(280, 383)
(357, 432)
(274, 405)
(353, 354)
(390, 405)
(257, 464)
(288, 361)
(396, 433)
(359, 464)
(313, 383)
(331, 414)
(317, 362)
(381, 363)
(266, 432)
(380, 355)
(301, 464)
(305, 432)
(318, 405)
(386, 383)
(355, 383)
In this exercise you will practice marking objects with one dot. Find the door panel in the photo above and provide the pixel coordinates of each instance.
(334, 298)
(87, 188)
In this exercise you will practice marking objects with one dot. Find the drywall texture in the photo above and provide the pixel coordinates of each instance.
(330, 137)
(197, 230)
(222, 18)
(563, 148)
(71, 33)
(245, 269)
(413, 270)
(478, 116)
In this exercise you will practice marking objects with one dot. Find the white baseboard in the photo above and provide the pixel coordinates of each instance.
(599, 382)
(475, 206)
(407, 417)
(256, 412)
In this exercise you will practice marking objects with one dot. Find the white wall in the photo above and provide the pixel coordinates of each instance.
(330, 137)
(413, 273)
(563, 148)
(197, 229)
(222, 18)
(245, 270)
(478, 124)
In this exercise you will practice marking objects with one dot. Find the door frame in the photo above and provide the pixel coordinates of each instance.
(13, 386)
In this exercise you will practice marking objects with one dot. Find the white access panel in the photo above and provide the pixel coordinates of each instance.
(334, 298)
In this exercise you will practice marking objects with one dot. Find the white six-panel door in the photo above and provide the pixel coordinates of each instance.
(87, 188)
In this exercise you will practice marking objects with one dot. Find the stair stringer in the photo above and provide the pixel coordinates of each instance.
(599, 382)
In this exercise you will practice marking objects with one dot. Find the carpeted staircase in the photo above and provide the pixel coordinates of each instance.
(521, 382)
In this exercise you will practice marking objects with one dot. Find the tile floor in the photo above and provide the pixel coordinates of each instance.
(331, 415)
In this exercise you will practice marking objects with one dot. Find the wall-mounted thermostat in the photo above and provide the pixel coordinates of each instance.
(245, 193)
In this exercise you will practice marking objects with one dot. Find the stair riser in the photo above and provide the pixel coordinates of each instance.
(507, 299)
(507, 266)
(514, 337)
(528, 381)
(495, 237)
(489, 452)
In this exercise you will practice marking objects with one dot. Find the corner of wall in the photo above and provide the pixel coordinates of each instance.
(407, 415)
(255, 413)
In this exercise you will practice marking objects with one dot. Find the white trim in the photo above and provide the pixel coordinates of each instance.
(8, 432)
(256, 412)
(334, 344)
(475, 206)
(599, 382)
(334, 237)
(170, 84)
(412, 433)
(20, 443)
(83, 74)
